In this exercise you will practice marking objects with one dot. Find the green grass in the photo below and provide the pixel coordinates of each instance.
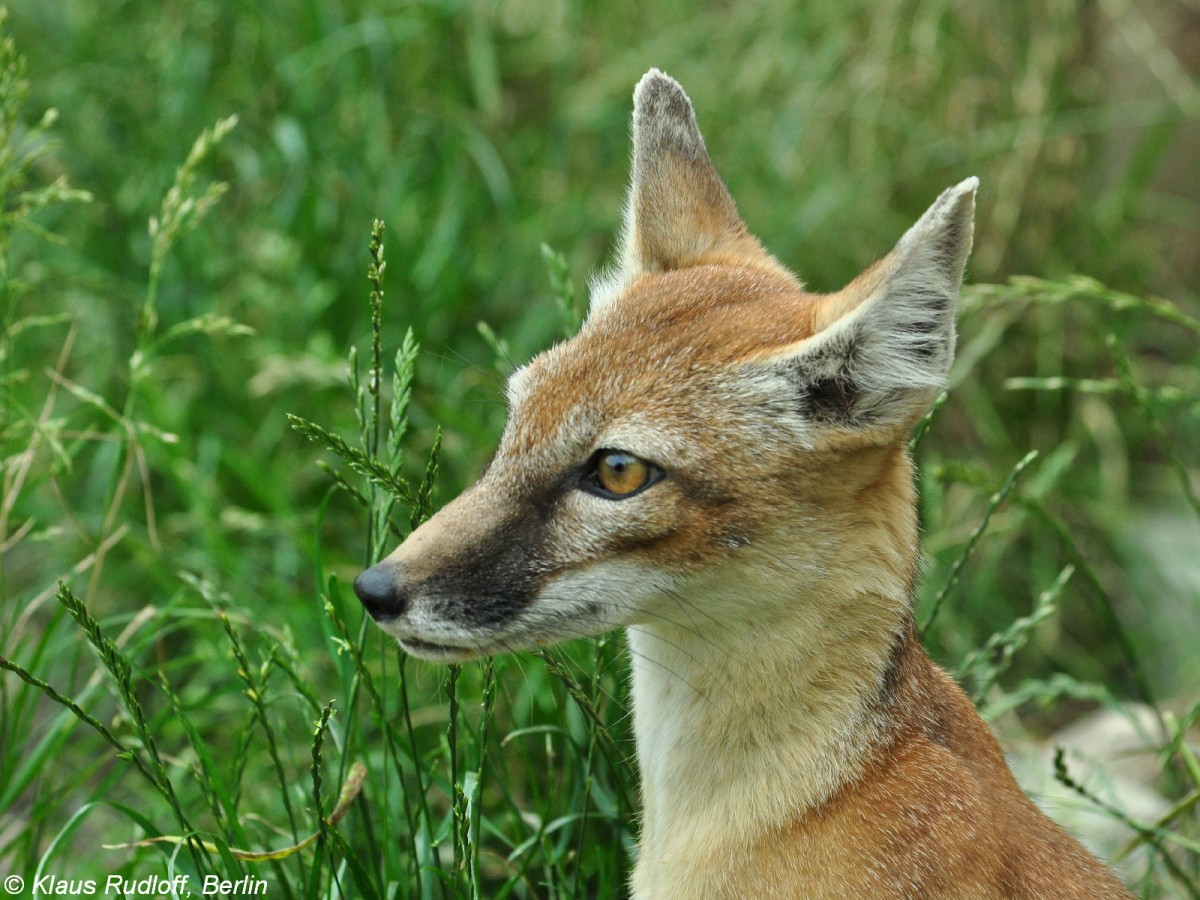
(203, 672)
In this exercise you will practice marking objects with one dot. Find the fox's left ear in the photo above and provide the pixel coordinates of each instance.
(883, 345)
(679, 213)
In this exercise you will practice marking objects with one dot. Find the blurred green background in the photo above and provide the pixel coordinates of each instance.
(479, 131)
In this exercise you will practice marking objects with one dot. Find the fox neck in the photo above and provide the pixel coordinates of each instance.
(752, 737)
(746, 723)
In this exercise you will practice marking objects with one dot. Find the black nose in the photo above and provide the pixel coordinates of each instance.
(380, 592)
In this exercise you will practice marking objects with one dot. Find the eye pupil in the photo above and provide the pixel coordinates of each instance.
(621, 473)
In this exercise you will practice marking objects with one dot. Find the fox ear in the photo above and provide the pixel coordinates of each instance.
(884, 344)
(679, 213)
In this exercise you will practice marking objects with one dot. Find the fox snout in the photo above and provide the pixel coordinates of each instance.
(458, 585)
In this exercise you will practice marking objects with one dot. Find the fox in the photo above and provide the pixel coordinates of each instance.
(718, 463)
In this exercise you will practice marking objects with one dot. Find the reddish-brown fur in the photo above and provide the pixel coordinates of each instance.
(934, 813)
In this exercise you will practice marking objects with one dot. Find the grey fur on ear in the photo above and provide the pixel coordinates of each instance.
(886, 341)
(937, 246)
(678, 204)
(664, 124)
(679, 212)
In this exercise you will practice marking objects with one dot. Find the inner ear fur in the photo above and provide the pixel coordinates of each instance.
(884, 344)
(678, 213)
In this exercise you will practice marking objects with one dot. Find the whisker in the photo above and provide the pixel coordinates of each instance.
(544, 621)
(696, 633)
(690, 605)
(665, 667)
(776, 558)
(454, 355)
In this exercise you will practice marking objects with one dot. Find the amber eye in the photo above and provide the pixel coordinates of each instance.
(618, 474)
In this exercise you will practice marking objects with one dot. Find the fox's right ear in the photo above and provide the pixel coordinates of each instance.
(679, 213)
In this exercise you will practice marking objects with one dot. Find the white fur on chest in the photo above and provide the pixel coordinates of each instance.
(739, 735)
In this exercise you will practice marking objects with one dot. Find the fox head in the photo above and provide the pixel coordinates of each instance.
(712, 442)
